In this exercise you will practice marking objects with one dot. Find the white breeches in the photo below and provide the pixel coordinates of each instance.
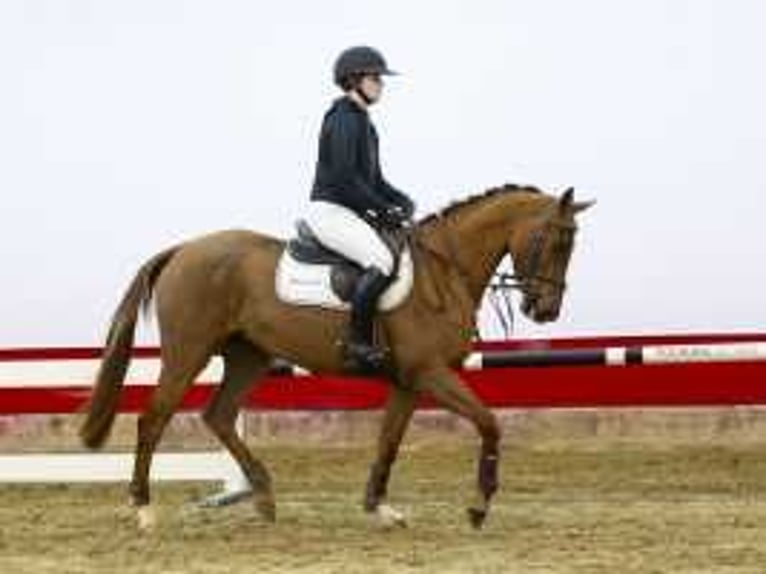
(342, 230)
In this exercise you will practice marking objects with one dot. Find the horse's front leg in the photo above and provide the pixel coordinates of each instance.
(450, 391)
(401, 404)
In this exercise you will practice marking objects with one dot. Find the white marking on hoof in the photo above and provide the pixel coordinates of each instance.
(147, 519)
(389, 517)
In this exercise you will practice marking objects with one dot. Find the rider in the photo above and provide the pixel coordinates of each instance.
(350, 199)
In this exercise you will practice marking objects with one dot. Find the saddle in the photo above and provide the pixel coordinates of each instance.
(307, 248)
(310, 273)
(344, 273)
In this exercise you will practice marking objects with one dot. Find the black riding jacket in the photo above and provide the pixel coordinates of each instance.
(348, 168)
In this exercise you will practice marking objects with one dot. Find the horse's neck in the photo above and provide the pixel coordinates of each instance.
(481, 233)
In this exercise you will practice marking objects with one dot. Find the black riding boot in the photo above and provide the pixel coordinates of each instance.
(361, 354)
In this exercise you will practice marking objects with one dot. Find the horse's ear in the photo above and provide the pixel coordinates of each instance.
(579, 206)
(566, 199)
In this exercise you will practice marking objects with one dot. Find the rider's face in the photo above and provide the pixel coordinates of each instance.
(372, 86)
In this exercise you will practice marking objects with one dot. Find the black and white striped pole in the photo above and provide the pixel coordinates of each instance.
(594, 356)
(619, 356)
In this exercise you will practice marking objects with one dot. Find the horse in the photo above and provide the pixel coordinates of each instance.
(216, 294)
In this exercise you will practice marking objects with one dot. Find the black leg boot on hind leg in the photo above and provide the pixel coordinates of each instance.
(362, 357)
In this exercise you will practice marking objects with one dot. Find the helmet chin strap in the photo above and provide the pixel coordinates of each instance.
(365, 98)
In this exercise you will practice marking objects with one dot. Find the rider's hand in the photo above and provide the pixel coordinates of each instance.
(395, 216)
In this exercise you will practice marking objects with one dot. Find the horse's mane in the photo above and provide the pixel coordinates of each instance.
(472, 199)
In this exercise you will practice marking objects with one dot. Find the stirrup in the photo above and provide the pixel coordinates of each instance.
(364, 359)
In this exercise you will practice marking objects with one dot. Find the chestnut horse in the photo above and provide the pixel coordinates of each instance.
(216, 295)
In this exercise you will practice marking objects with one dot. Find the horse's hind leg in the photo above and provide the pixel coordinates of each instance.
(178, 372)
(243, 364)
(401, 405)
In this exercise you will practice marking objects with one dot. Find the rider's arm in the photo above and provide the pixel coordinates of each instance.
(343, 133)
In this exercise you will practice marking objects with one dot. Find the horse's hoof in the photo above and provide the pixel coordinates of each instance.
(477, 516)
(266, 508)
(147, 519)
(389, 517)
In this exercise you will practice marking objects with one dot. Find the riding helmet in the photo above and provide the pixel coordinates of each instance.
(357, 61)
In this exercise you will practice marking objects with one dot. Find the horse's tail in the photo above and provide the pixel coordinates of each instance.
(102, 406)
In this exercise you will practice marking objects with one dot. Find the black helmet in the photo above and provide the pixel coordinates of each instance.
(359, 60)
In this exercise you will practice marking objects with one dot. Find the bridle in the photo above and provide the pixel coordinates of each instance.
(532, 260)
(528, 277)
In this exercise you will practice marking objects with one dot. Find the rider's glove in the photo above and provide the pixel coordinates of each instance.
(395, 216)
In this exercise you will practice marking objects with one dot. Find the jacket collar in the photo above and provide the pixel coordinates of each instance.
(348, 104)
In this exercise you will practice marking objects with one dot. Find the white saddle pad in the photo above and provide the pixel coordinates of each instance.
(301, 283)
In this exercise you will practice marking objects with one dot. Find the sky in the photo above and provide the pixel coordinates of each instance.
(126, 126)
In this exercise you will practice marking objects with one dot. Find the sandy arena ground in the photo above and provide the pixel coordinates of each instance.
(581, 506)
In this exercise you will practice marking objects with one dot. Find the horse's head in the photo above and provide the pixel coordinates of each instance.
(541, 250)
